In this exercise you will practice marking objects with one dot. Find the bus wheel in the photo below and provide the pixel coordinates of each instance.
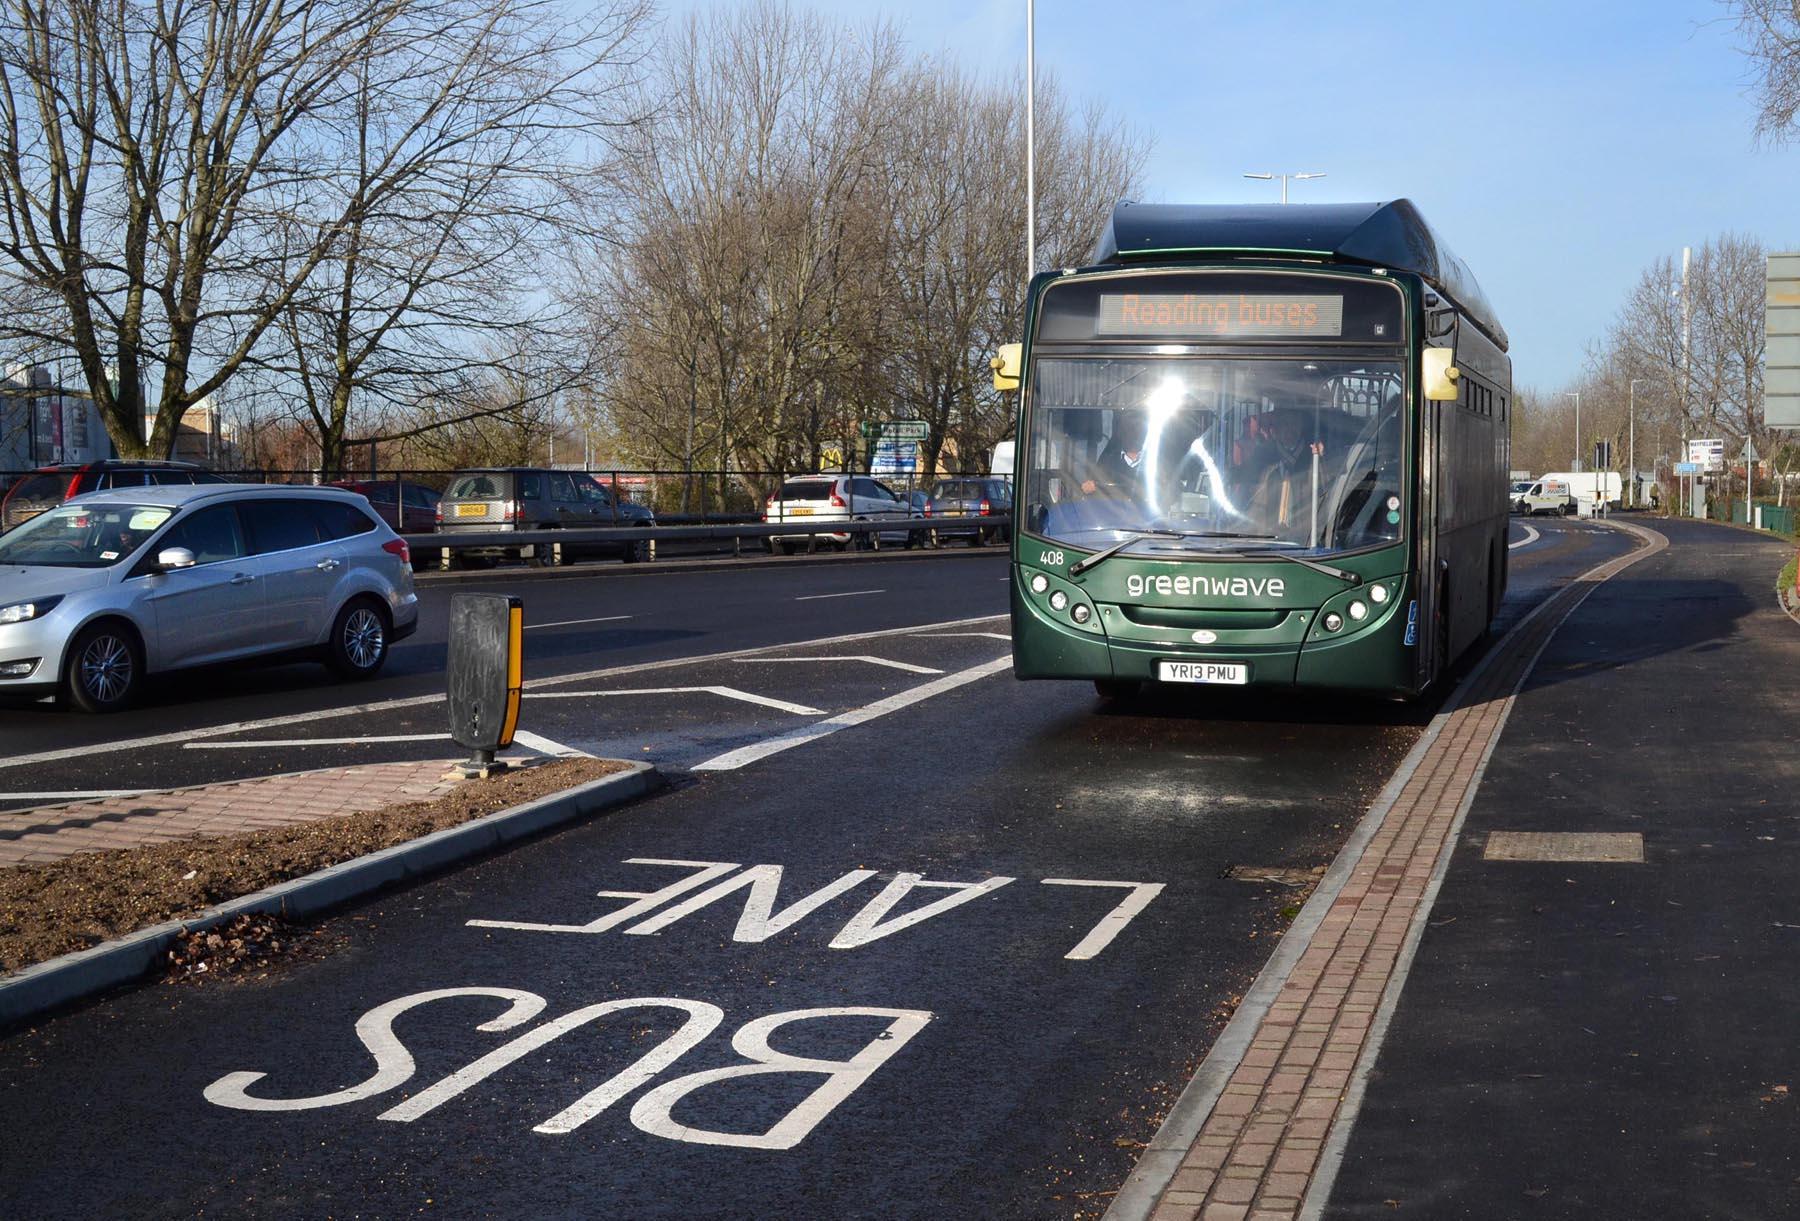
(1118, 690)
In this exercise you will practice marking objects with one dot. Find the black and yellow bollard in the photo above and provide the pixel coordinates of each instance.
(484, 674)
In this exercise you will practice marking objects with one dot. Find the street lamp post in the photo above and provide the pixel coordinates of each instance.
(1284, 180)
(1631, 446)
(1576, 395)
(1030, 140)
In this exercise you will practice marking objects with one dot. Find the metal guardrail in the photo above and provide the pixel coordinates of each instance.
(449, 543)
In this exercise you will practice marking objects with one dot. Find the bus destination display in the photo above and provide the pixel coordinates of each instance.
(1221, 315)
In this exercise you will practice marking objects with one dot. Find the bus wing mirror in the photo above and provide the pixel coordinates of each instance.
(1006, 365)
(1441, 374)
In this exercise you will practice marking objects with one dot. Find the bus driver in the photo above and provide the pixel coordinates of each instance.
(1118, 475)
(1278, 497)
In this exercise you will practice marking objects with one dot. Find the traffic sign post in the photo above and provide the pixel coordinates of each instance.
(894, 430)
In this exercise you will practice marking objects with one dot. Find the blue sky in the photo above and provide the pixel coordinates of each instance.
(1558, 147)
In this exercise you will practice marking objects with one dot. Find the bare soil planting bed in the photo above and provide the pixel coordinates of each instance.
(80, 901)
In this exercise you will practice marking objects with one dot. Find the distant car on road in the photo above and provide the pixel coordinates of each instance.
(100, 591)
(959, 504)
(536, 498)
(839, 498)
(415, 514)
(49, 486)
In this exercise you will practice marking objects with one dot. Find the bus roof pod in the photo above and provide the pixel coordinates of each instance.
(1392, 235)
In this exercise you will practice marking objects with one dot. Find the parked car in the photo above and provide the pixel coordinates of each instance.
(115, 585)
(958, 505)
(839, 498)
(505, 499)
(415, 514)
(48, 486)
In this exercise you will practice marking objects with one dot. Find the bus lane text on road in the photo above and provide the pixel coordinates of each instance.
(711, 882)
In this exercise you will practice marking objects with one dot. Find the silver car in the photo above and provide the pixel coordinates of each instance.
(106, 588)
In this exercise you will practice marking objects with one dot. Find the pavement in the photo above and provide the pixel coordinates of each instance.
(132, 820)
(910, 939)
(1549, 983)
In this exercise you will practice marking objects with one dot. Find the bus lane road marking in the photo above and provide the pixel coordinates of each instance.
(761, 917)
(854, 593)
(419, 701)
(533, 627)
(1531, 536)
(731, 760)
(702, 884)
(730, 693)
(908, 666)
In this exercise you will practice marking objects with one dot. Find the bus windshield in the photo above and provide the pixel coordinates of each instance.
(1299, 453)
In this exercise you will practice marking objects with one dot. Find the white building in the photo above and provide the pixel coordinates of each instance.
(40, 423)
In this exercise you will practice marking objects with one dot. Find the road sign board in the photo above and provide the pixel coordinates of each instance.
(1687, 468)
(1781, 358)
(895, 430)
(1709, 453)
(891, 457)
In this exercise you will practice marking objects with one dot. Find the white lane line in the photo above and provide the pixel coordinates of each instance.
(532, 627)
(1531, 536)
(854, 593)
(1114, 922)
(254, 743)
(949, 635)
(730, 693)
(416, 701)
(77, 795)
(874, 661)
(544, 746)
(731, 760)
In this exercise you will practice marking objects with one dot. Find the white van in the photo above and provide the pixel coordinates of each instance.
(1542, 496)
(1590, 487)
(1002, 464)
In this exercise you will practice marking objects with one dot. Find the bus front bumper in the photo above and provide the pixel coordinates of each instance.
(1376, 655)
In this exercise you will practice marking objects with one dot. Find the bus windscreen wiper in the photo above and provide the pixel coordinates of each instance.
(1138, 536)
(1342, 574)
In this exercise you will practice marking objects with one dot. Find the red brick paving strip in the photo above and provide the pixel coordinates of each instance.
(48, 833)
(1256, 1155)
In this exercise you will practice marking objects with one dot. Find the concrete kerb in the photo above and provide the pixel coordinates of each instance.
(1156, 1167)
(47, 986)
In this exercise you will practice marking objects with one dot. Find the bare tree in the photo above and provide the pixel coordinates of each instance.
(817, 234)
(1770, 30)
(751, 233)
(956, 256)
(455, 165)
(1704, 351)
(145, 150)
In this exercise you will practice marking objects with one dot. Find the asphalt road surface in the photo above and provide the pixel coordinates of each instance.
(907, 938)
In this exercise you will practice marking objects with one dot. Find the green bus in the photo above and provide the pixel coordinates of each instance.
(1258, 446)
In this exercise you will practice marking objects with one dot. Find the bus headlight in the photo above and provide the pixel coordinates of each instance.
(1059, 601)
(1039, 583)
(1333, 621)
(1081, 613)
(1378, 594)
(1359, 610)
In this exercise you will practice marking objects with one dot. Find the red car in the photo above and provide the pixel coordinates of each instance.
(416, 513)
(48, 486)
